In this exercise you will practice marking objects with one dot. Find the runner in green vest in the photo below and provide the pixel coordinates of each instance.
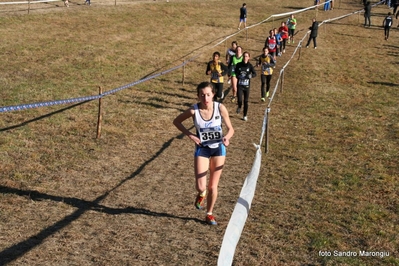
(291, 24)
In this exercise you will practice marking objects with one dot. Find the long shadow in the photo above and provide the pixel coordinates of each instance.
(154, 105)
(43, 116)
(12, 253)
(391, 46)
(294, 7)
(389, 84)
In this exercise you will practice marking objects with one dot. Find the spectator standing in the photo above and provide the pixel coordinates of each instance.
(395, 5)
(326, 5)
(313, 33)
(367, 14)
(245, 72)
(217, 70)
(243, 16)
(291, 24)
(387, 23)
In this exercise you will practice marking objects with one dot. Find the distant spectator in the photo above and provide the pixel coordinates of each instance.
(243, 16)
(316, 2)
(87, 2)
(367, 14)
(395, 5)
(326, 5)
(313, 33)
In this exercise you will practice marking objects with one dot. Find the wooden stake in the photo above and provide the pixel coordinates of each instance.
(184, 73)
(225, 45)
(100, 113)
(267, 131)
(299, 54)
(282, 82)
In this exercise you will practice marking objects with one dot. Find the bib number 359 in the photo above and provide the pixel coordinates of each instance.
(210, 135)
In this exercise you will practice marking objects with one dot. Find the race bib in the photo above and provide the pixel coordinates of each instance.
(211, 135)
(243, 82)
(266, 70)
(215, 75)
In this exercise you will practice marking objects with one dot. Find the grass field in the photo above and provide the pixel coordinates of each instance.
(329, 182)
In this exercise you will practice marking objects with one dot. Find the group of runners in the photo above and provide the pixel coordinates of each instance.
(209, 113)
(239, 71)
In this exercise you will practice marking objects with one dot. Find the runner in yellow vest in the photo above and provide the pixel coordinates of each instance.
(216, 69)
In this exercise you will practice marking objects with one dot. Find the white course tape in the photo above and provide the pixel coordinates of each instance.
(28, 2)
(240, 214)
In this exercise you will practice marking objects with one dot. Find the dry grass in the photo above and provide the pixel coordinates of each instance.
(328, 183)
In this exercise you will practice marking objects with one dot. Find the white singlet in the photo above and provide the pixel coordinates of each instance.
(209, 131)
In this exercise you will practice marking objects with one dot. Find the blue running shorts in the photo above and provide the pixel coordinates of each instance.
(210, 152)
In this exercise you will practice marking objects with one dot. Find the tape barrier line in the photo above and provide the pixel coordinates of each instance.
(74, 100)
(86, 98)
(240, 214)
(28, 2)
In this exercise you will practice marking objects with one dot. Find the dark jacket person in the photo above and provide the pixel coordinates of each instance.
(313, 33)
(367, 13)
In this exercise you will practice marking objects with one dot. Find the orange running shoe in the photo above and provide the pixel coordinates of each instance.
(210, 219)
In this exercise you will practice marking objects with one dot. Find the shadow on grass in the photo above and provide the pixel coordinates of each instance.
(383, 83)
(17, 250)
(294, 8)
(390, 46)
